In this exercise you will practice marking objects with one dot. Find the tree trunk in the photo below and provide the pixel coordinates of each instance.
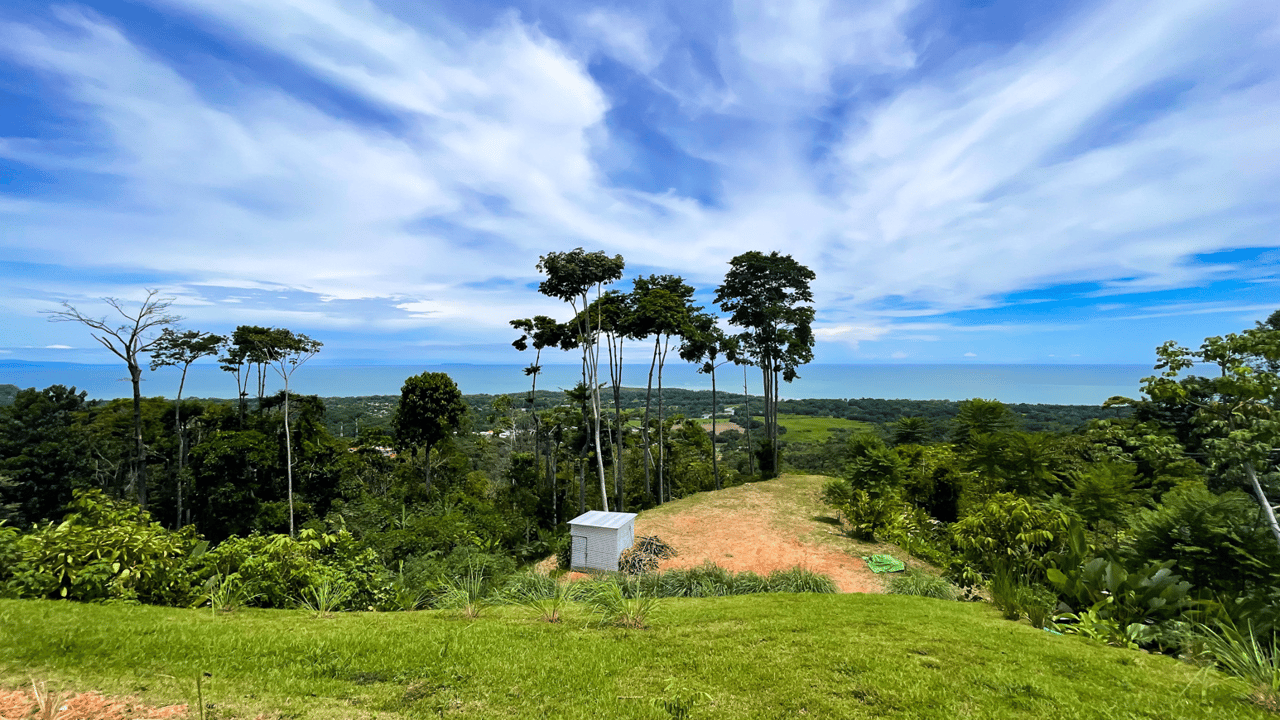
(776, 451)
(746, 403)
(182, 442)
(140, 449)
(715, 465)
(555, 479)
(288, 453)
(594, 351)
(648, 455)
(619, 444)
(663, 490)
(1267, 509)
(582, 486)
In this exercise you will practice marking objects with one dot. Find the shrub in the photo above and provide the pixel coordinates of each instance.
(1009, 530)
(868, 515)
(1215, 540)
(277, 570)
(1148, 595)
(916, 582)
(1015, 596)
(104, 549)
(1089, 624)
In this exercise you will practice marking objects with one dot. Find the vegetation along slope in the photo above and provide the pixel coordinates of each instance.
(1142, 533)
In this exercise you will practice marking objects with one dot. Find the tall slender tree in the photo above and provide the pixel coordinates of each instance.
(246, 356)
(540, 332)
(286, 351)
(708, 347)
(617, 315)
(127, 340)
(181, 349)
(663, 307)
(768, 296)
(571, 276)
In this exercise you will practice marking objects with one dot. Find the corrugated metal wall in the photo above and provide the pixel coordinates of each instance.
(598, 548)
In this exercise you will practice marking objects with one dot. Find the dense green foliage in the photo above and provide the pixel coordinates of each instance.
(1133, 526)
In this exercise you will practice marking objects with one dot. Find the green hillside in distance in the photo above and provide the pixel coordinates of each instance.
(343, 413)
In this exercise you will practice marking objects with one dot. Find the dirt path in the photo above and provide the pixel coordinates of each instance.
(35, 703)
(760, 527)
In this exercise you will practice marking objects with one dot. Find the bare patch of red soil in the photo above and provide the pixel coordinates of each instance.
(748, 534)
(24, 705)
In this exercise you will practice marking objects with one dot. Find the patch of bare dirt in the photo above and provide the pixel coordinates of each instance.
(48, 705)
(753, 527)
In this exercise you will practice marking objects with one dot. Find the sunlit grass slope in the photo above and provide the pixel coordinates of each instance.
(813, 429)
(781, 656)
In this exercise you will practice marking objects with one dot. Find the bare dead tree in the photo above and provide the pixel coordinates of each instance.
(127, 340)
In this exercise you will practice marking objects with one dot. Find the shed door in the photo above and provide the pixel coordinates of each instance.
(579, 555)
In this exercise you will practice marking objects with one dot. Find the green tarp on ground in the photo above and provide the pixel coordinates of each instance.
(884, 564)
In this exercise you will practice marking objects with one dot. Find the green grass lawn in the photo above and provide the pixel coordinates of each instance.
(813, 429)
(776, 656)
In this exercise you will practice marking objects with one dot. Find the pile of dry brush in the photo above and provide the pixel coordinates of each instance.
(644, 554)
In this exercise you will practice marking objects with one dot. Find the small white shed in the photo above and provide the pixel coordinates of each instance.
(599, 538)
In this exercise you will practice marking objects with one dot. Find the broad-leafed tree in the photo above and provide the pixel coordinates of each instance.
(1235, 411)
(285, 351)
(768, 296)
(430, 408)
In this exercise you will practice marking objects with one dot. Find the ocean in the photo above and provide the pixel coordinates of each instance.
(1051, 384)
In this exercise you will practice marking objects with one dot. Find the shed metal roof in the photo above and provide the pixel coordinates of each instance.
(602, 519)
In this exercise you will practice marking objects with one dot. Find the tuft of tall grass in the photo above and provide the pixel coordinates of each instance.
(325, 597)
(48, 704)
(800, 580)
(711, 580)
(467, 592)
(540, 593)
(916, 582)
(614, 607)
(1014, 597)
(225, 593)
(1242, 655)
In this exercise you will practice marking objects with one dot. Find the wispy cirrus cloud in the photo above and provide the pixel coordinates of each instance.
(395, 169)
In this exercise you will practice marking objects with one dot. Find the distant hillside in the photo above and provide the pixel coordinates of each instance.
(345, 413)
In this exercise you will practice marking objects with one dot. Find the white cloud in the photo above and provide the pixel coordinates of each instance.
(969, 354)
(58, 347)
(954, 189)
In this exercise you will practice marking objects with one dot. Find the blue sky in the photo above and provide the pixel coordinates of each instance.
(1051, 182)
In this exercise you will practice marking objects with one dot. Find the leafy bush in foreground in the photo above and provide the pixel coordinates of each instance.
(104, 549)
(277, 570)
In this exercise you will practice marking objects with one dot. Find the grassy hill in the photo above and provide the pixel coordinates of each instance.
(856, 655)
(779, 656)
